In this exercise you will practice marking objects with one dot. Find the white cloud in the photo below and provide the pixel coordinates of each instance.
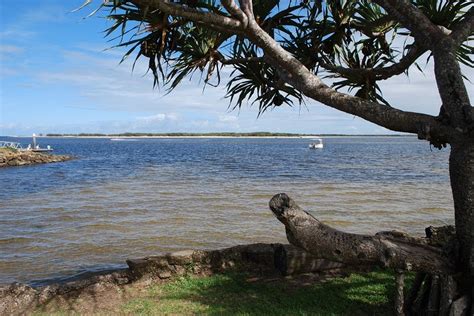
(228, 118)
(152, 118)
(158, 117)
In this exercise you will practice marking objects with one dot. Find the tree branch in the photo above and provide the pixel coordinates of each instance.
(389, 249)
(414, 20)
(235, 11)
(297, 75)
(247, 7)
(456, 104)
(465, 28)
(380, 73)
(207, 18)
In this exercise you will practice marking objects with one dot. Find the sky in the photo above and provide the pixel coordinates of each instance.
(57, 76)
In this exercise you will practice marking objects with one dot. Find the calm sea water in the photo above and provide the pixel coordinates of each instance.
(129, 199)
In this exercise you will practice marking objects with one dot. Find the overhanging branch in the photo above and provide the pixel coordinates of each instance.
(297, 75)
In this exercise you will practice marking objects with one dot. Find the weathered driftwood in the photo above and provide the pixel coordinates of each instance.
(399, 295)
(448, 292)
(392, 250)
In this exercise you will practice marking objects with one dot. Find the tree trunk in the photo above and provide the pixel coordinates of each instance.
(461, 170)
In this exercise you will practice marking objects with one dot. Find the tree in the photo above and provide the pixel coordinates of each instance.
(279, 51)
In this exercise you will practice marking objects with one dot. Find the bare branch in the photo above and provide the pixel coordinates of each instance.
(414, 20)
(465, 28)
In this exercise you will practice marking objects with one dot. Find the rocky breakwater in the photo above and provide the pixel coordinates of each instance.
(11, 158)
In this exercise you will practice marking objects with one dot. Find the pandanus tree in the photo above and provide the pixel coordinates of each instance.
(279, 52)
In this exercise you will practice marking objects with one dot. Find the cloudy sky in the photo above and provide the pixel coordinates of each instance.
(56, 77)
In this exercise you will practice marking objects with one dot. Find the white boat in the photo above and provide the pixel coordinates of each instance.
(317, 144)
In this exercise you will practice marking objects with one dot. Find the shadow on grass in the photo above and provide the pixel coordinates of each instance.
(368, 294)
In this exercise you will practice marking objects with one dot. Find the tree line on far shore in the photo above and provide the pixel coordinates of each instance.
(223, 134)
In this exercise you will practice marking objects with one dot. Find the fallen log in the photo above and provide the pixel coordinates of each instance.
(393, 250)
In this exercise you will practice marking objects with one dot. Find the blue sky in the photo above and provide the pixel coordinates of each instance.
(55, 77)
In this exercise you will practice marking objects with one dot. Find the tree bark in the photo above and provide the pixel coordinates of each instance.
(461, 169)
(399, 293)
(388, 249)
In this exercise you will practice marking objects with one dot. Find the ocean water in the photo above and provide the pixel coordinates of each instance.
(128, 199)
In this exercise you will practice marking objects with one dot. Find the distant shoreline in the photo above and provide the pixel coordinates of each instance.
(210, 135)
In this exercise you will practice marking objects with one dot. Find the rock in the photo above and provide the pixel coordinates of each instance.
(292, 260)
(164, 274)
(13, 162)
(17, 299)
(122, 280)
(181, 257)
(151, 266)
(180, 270)
(47, 293)
(21, 158)
(262, 254)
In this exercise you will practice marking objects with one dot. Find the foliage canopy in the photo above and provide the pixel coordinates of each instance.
(355, 43)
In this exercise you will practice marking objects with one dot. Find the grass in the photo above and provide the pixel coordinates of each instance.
(358, 294)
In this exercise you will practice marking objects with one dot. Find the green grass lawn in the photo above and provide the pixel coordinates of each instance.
(358, 294)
